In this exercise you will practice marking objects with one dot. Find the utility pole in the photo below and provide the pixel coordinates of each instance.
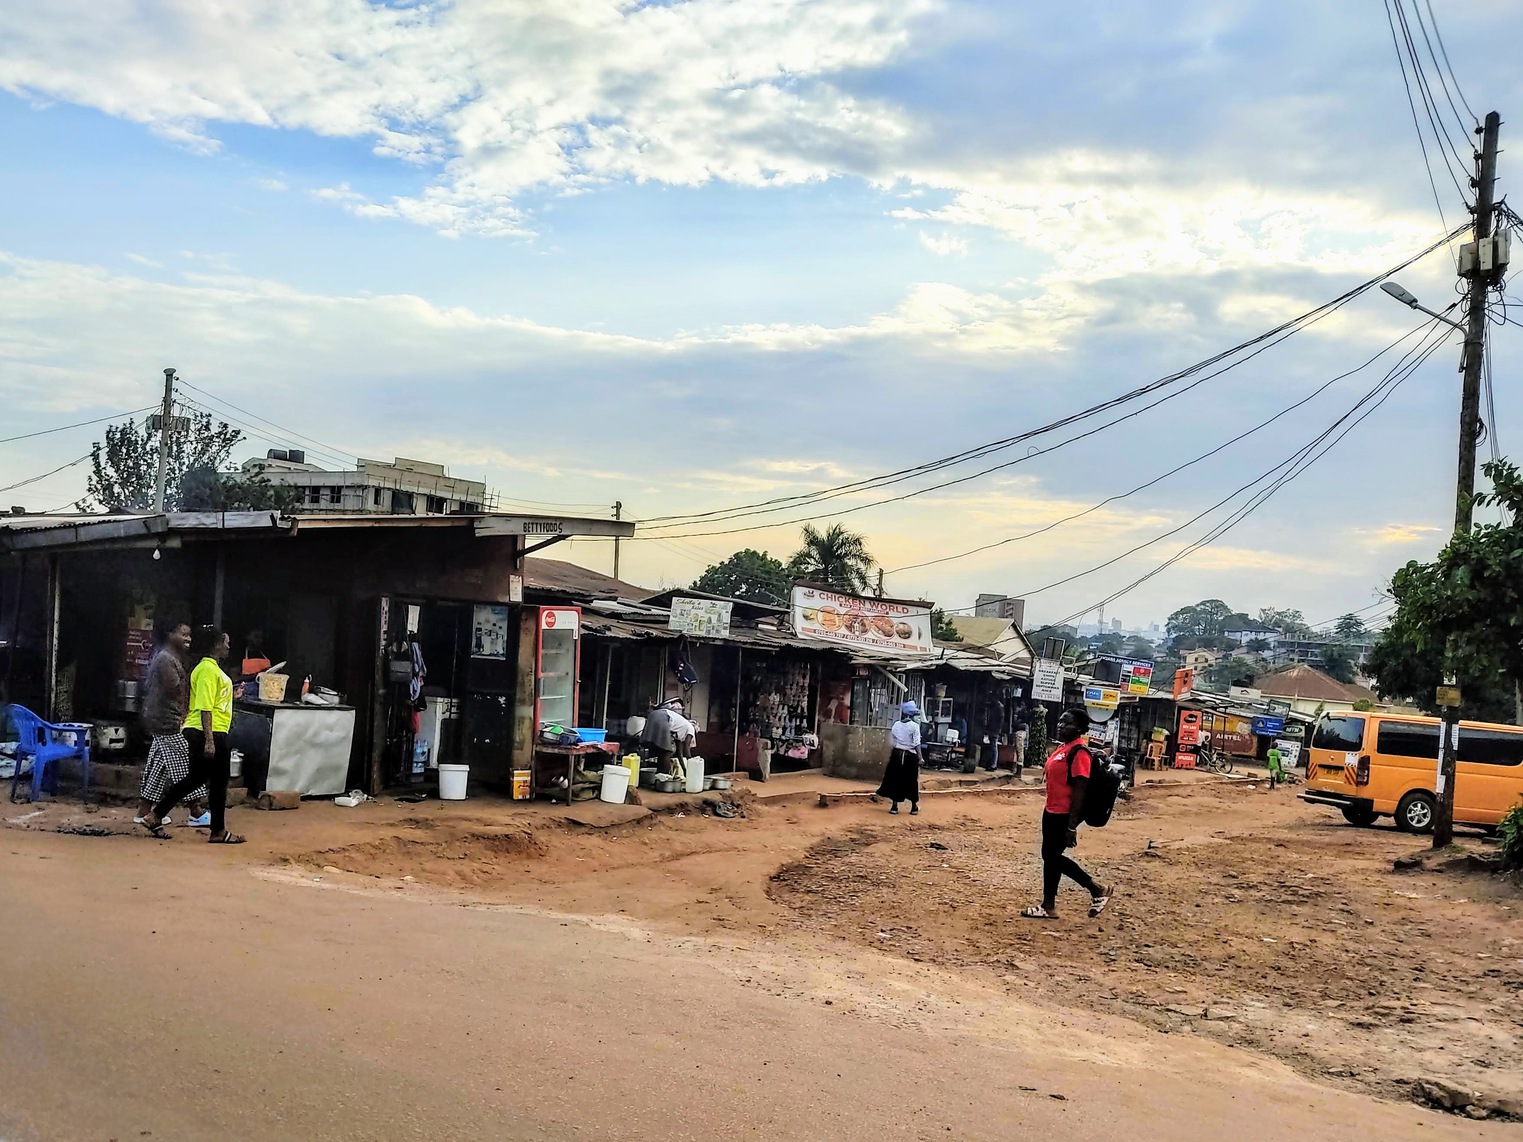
(166, 426)
(880, 582)
(1478, 263)
(618, 513)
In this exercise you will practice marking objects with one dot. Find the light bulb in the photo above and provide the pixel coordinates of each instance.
(157, 555)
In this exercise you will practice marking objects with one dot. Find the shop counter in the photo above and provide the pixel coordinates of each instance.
(552, 762)
(293, 746)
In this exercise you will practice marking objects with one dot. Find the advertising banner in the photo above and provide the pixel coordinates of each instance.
(853, 620)
(1129, 675)
(707, 618)
(1268, 727)
(1102, 697)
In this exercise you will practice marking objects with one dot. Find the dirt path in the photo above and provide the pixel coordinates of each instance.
(1246, 918)
(172, 991)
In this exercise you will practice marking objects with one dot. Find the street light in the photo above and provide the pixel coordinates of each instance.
(1407, 299)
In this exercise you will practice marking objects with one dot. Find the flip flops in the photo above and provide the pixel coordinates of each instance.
(1037, 912)
(1097, 904)
(226, 838)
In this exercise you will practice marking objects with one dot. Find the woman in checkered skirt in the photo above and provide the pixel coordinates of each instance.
(166, 699)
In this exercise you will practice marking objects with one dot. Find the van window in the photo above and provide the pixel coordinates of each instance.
(1491, 747)
(1340, 734)
(1408, 739)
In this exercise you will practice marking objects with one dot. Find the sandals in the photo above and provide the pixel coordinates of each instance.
(155, 828)
(226, 838)
(1037, 912)
(1097, 904)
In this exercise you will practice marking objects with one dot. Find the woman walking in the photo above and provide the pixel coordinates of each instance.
(1068, 770)
(206, 726)
(901, 780)
(166, 701)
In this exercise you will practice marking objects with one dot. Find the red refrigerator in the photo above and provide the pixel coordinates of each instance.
(557, 666)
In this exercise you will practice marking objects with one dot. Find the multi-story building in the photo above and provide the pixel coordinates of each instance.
(402, 487)
(1001, 607)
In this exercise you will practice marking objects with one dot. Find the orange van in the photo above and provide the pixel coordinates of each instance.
(1373, 765)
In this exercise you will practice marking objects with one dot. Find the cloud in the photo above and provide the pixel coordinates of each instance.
(944, 246)
(271, 184)
(143, 261)
(1402, 534)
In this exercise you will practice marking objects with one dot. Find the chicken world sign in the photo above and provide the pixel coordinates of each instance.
(854, 620)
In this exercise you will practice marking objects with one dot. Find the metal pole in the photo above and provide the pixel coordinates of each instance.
(740, 658)
(166, 419)
(54, 591)
(618, 513)
(1470, 425)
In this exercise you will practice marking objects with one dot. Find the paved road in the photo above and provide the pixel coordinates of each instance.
(173, 992)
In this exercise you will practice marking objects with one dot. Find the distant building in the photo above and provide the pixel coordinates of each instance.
(1201, 658)
(1310, 691)
(1313, 651)
(402, 487)
(1253, 631)
(1116, 625)
(1001, 607)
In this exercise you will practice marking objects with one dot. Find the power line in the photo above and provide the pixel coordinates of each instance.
(1171, 472)
(1422, 25)
(1445, 52)
(1435, 115)
(80, 424)
(1272, 336)
(255, 430)
(1300, 463)
(1412, 106)
(291, 434)
(45, 475)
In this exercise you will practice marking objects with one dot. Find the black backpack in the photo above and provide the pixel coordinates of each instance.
(1102, 789)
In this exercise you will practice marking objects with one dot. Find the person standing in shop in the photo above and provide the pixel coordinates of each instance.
(206, 727)
(166, 700)
(901, 780)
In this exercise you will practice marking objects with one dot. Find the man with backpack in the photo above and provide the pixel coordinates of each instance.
(1070, 769)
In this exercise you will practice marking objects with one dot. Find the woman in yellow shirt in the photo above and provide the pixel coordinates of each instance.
(206, 727)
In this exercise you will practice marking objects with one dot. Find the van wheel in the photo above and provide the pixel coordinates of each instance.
(1415, 812)
(1358, 816)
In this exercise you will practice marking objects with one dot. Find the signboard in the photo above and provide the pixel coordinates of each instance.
(1290, 752)
(1102, 697)
(1243, 694)
(1189, 727)
(1047, 681)
(1278, 707)
(1448, 697)
(1184, 683)
(1129, 675)
(1268, 727)
(1234, 735)
(707, 618)
(852, 620)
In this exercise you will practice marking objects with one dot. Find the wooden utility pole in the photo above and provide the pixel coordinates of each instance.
(166, 426)
(1479, 264)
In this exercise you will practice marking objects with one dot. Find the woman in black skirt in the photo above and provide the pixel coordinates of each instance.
(901, 780)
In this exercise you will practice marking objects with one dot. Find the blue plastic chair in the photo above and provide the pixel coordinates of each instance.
(42, 742)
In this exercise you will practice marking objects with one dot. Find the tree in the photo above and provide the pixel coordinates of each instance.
(834, 558)
(1337, 662)
(943, 627)
(1349, 628)
(1258, 645)
(1206, 619)
(1228, 672)
(124, 471)
(1139, 647)
(1467, 601)
(1290, 623)
(753, 576)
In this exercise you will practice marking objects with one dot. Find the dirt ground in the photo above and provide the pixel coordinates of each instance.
(1244, 915)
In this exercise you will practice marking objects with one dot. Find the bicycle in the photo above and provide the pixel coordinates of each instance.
(1209, 759)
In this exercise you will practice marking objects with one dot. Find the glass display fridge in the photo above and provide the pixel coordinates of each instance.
(557, 666)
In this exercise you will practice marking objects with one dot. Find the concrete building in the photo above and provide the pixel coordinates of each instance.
(402, 487)
(1001, 607)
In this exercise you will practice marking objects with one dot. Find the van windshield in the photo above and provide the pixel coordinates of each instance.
(1340, 734)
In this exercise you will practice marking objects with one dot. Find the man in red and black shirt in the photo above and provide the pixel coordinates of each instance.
(1068, 770)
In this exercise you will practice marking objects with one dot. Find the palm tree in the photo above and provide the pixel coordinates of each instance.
(834, 558)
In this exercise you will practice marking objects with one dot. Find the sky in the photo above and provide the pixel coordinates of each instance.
(690, 255)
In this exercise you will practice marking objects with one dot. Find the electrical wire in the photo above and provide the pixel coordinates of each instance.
(45, 475)
(1422, 25)
(1412, 105)
(328, 449)
(254, 430)
(1445, 52)
(1441, 135)
(1282, 474)
(1172, 471)
(80, 424)
(1264, 340)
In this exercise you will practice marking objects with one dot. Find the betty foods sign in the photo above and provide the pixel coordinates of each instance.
(852, 620)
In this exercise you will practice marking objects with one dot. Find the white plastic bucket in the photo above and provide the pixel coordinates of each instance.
(452, 780)
(693, 767)
(615, 784)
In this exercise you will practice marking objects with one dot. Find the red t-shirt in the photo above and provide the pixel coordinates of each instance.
(1059, 792)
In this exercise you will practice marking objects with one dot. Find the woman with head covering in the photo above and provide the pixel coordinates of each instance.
(206, 727)
(1068, 770)
(901, 780)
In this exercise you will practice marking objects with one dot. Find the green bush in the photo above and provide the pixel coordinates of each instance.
(1510, 833)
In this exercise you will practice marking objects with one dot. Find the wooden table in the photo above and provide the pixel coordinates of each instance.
(551, 757)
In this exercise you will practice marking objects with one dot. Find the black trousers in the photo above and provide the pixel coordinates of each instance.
(1056, 863)
(212, 771)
